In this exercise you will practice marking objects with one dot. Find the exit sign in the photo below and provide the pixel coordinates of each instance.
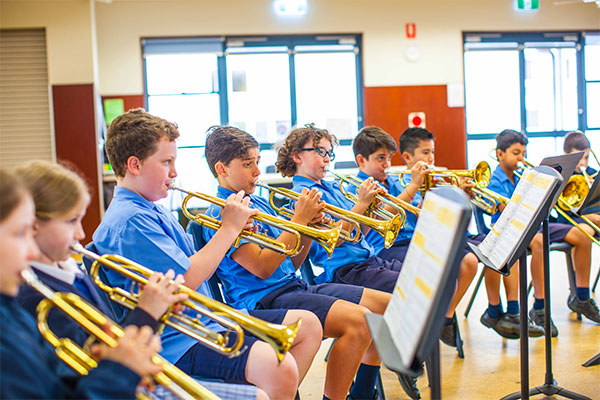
(527, 5)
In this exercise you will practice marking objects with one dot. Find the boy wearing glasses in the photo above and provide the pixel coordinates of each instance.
(258, 278)
(305, 155)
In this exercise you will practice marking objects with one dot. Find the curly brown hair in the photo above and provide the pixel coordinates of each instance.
(294, 142)
(136, 133)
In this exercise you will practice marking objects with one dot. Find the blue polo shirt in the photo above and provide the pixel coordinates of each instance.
(346, 253)
(242, 288)
(149, 234)
(500, 183)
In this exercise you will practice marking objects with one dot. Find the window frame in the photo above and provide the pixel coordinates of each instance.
(227, 43)
(539, 37)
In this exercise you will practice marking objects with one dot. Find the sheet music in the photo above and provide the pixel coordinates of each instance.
(529, 195)
(410, 306)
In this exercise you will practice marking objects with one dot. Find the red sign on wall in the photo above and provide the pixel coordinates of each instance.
(411, 30)
(416, 120)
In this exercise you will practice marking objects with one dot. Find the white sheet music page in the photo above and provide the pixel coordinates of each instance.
(426, 258)
(531, 192)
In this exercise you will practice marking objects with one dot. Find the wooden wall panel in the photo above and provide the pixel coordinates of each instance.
(388, 107)
(76, 141)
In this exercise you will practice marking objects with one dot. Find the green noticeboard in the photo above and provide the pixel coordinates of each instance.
(112, 109)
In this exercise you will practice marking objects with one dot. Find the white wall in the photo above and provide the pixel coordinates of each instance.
(69, 34)
(440, 23)
(121, 24)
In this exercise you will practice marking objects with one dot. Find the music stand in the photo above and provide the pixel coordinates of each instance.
(428, 343)
(520, 254)
(565, 165)
(590, 205)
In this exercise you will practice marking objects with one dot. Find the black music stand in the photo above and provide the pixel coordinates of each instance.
(427, 349)
(520, 254)
(591, 204)
(563, 166)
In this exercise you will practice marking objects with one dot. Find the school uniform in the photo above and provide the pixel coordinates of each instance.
(284, 288)
(29, 365)
(71, 279)
(350, 263)
(150, 235)
(500, 183)
(398, 250)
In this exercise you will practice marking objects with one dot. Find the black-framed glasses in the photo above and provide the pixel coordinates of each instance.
(322, 152)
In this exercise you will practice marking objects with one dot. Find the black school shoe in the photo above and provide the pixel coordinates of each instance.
(538, 317)
(448, 335)
(409, 385)
(586, 307)
(504, 328)
(375, 396)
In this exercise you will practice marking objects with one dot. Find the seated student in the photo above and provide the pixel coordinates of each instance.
(575, 142)
(61, 198)
(510, 150)
(28, 363)
(259, 278)
(305, 154)
(373, 149)
(142, 151)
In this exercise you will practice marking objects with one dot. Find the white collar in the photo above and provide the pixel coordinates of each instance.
(67, 272)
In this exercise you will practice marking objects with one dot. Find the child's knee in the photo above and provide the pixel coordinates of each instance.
(468, 267)
(311, 326)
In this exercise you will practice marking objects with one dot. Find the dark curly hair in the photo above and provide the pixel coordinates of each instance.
(224, 143)
(136, 133)
(294, 142)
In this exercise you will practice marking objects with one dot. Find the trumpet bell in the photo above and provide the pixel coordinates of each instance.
(391, 229)
(574, 193)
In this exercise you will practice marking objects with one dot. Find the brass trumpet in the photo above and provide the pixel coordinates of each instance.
(258, 238)
(389, 229)
(102, 328)
(280, 337)
(481, 175)
(326, 238)
(384, 197)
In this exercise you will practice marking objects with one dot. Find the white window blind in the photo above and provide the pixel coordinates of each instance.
(25, 131)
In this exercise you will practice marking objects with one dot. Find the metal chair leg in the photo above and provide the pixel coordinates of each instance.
(475, 290)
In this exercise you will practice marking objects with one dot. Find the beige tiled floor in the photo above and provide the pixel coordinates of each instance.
(491, 366)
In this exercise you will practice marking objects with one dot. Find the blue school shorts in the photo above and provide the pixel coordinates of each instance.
(202, 362)
(373, 273)
(557, 231)
(318, 298)
(579, 220)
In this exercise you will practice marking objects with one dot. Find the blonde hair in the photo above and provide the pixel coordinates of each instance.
(55, 188)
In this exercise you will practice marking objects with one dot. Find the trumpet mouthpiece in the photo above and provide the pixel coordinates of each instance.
(77, 247)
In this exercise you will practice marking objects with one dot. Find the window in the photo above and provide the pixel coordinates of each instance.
(533, 83)
(263, 85)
